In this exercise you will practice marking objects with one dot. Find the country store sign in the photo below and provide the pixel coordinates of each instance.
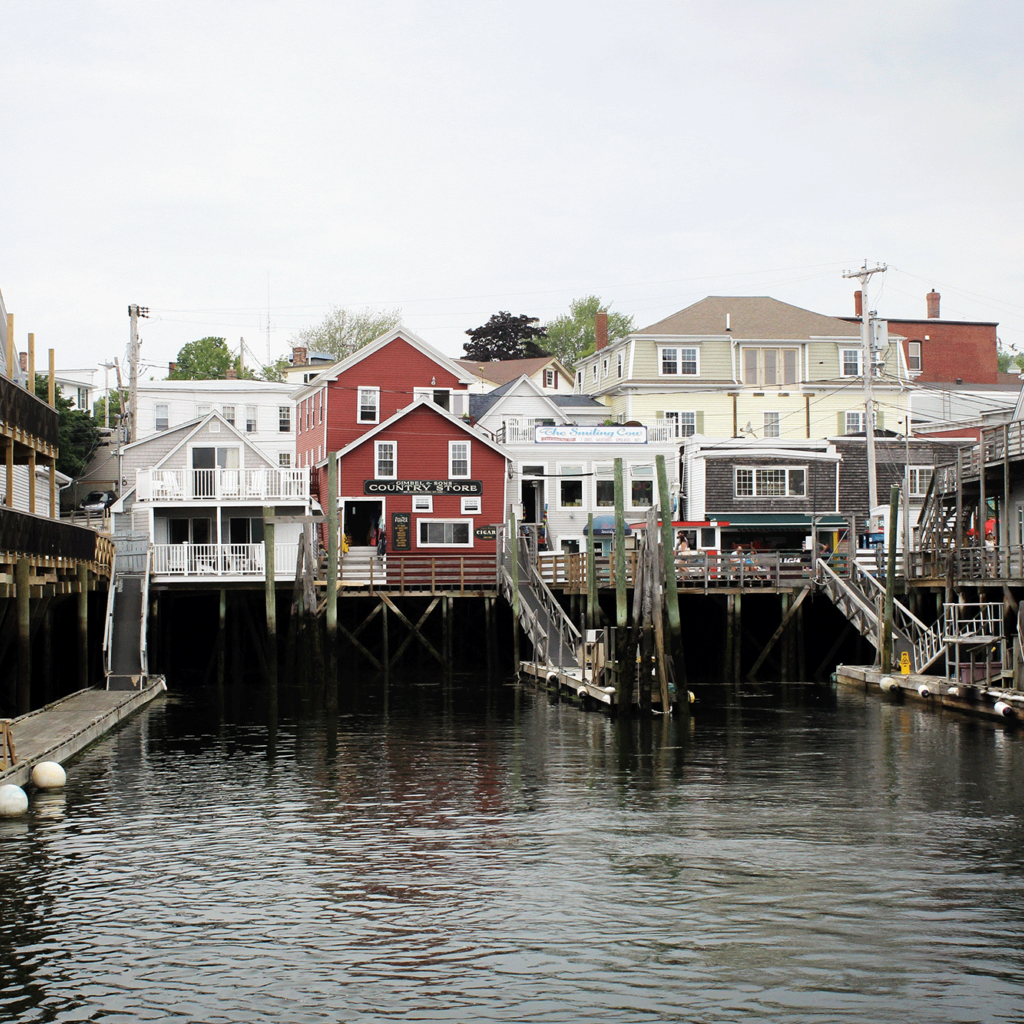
(592, 435)
(459, 487)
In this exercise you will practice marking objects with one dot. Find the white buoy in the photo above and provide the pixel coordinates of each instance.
(48, 775)
(888, 685)
(1006, 710)
(691, 696)
(925, 690)
(954, 691)
(13, 801)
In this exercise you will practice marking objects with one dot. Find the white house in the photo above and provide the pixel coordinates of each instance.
(77, 384)
(545, 371)
(262, 410)
(199, 489)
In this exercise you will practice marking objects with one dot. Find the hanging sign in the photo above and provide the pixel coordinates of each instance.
(401, 531)
(486, 532)
(459, 487)
(599, 434)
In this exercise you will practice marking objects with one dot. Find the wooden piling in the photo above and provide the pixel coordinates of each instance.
(890, 571)
(514, 568)
(737, 636)
(657, 617)
(270, 594)
(620, 553)
(730, 615)
(787, 634)
(591, 576)
(24, 612)
(668, 553)
(331, 609)
(385, 659)
(222, 615)
(82, 574)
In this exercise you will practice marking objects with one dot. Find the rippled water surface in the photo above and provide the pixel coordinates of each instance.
(477, 853)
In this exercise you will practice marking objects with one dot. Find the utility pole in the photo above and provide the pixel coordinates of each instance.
(107, 367)
(867, 342)
(134, 312)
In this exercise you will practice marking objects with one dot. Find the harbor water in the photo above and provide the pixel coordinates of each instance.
(477, 852)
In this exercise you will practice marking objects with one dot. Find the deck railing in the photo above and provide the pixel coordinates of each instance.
(22, 533)
(221, 560)
(969, 563)
(410, 573)
(219, 484)
(20, 410)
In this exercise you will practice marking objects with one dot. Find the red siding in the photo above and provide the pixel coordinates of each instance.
(952, 350)
(422, 438)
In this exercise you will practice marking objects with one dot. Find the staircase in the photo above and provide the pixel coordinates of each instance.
(858, 598)
(937, 519)
(125, 661)
(362, 565)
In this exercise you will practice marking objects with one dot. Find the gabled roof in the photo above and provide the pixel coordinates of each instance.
(190, 429)
(751, 318)
(333, 371)
(504, 371)
(476, 435)
(509, 391)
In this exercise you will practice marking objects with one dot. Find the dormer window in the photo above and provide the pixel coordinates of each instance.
(764, 367)
(550, 378)
(850, 362)
(676, 362)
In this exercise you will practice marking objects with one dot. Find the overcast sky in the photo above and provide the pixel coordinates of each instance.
(212, 160)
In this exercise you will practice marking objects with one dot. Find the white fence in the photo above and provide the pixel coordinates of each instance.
(243, 484)
(222, 560)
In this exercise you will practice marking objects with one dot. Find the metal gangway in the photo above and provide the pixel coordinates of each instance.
(125, 661)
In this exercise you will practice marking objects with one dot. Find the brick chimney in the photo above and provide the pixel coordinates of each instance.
(232, 373)
(858, 303)
(300, 355)
(171, 367)
(23, 360)
(933, 304)
(600, 331)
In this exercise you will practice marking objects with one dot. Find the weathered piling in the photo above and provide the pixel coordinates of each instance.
(270, 594)
(222, 615)
(82, 600)
(514, 568)
(890, 574)
(591, 575)
(24, 613)
(331, 608)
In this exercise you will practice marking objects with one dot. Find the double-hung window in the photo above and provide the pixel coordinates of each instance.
(440, 533)
(203, 409)
(772, 424)
(618, 364)
(770, 482)
(604, 485)
(284, 419)
(250, 419)
(458, 460)
(229, 413)
(920, 478)
(284, 460)
(549, 378)
(855, 423)
(385, 459)
(369, 405)
(913, 355)
(676, 362)
(641, 486)
(684, 424)
(161, 416)
(850, 362)
(570, 486)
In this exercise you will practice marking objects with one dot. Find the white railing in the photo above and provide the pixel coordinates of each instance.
(217, 484)
(222, 560)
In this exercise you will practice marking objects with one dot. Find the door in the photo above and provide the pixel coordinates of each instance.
(360, 521)
(203, 467)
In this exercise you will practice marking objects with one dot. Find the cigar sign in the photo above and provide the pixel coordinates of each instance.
(592, 435)
(459, 487)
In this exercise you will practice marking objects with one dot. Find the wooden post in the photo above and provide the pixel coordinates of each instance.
(52, 390)
(514, 546)
(386, 655)
(32, 480)
(222, 616)
(1004, 526)
(661, 656)
(9, 452)
(786, 634)
(620, 552)
(730, 614)
(591, 580)
(82, 573)
(331, 611)
(10, 346)
(24, 611)
(46, 668)
(737, 636)
(890, 578)
(32, 363)
(669, 554)
(801, 649)
(270, 594)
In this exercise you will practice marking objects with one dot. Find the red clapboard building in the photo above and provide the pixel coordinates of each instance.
(393, 410)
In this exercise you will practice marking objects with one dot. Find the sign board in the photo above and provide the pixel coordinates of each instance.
(459, 487)
(486, 532)
(613, 434)
(905, 662)
(401, 531)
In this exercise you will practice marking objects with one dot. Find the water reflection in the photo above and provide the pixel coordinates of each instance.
(471, 851)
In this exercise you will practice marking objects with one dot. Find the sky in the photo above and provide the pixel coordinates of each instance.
(239, 166)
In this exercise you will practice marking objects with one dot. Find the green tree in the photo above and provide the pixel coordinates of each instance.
(77, 432)
(343, 331)
(505, 336)
(115, 407)
(205, 359)
(571, 335)
(275, 371)
(1007, 362)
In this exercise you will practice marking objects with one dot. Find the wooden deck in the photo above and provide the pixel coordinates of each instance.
(67, 726)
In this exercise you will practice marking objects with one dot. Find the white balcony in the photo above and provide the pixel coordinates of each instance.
(222, 484)
(209, 561)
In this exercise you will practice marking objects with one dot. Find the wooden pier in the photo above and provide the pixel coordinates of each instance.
(60, 730)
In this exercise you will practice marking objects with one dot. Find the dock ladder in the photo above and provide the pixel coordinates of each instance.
(125, 661)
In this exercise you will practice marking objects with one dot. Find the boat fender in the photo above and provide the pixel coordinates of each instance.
(888, 685)
(954, 691)
(552, 678)
(691, 696)
(924, 690)
(582, 692)
(1004, 709)
(48, 775)
(13, 801)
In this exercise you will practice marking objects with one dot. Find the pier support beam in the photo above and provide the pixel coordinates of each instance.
(82, 574)
(737, 635)
(24, 610)
(222, 615)
(514, 568)
(270, 594)
(331, 608)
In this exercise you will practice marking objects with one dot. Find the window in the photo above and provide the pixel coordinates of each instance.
(369, 405)
(203, 409)
(423, 503)
(83, 398)
(458, 459)
(604, 493)
(385, 459)
(438, 533)
(284, 419)
(641, 486)
(532, 471)
(618, 364)
(214, 426)
(850, 361)
(771, 424)
(549, 378)
(913, 355)
(284, 460)
(773, 482)
(595, 369)
(579, 378)
(250, 419)
(855, 423)
(229, 413)
(679, 361)
(161, 417)
(604, 367)
(472, 506)
(763, 367)
(570, 487)
(308, 407)
(684, 423)
(920, 478)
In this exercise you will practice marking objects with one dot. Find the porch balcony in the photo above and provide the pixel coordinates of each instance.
(256, 485)
(209, 561)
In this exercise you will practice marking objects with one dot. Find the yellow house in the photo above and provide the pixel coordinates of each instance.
(748, 366)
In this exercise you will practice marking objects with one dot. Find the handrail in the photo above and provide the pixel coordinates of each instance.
(8, 756)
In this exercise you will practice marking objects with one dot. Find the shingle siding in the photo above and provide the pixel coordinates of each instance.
(720, 486)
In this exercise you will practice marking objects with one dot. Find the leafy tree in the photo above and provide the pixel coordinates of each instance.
(77, 432)
(571, 335)
(1007, 362)
(205, 359)
(275, 371)
(343, 331)
(115, 407)
(505, 336)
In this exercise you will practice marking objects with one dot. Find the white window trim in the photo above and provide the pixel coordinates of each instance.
(920, 357)
(367, 387)
(842, 361)
(764, 422)
(469, 460)
(571, 476)
(471, 506)
(679, 360)
(918, 470)
(423, 503)
(769, 497)
(446, 519)
(628, 485)
(846, 422)
(377, 445)
(580, 541)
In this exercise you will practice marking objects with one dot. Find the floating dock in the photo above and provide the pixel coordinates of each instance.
(62, 729)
